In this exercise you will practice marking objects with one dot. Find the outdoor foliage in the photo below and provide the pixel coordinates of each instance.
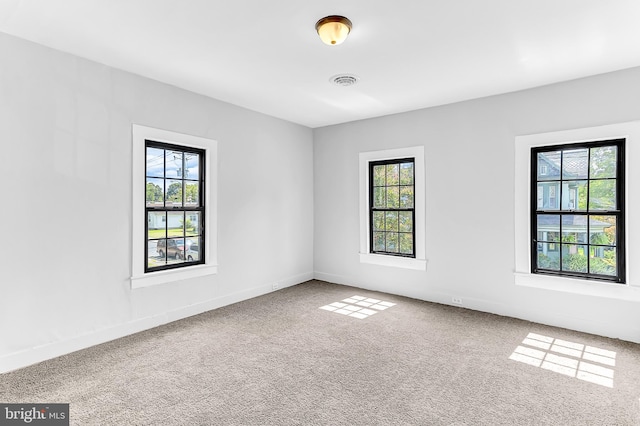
(577, 262)
(154, 193)
(174, 192)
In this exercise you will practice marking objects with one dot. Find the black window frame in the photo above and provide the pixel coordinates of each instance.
(618, 212)
(201, 207)
(373, 209)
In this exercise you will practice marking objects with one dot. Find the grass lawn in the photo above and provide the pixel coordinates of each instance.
(173, 232)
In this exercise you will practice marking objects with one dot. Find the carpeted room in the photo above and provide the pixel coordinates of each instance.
(287, 231)
(279, 359)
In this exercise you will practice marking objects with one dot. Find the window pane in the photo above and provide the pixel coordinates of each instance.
(175, 225)
(154, 256)
(193, 250)
(574, 229)
(549, 196)
(393, 197)
(574, 195)
(406, 197)
(391, 221)
(378, 241)
(406, 243)
(549, 256)
(175, 250)
(155, 162)
(192, 223)
(406, 174)
(540, 196)
(174, 193)
(191, 166)
(191, 241)
(549, 165)
(379, 173)
(575, 164)
(603, 261)
(602, 230)
(393, 174)
(548, 237)
(155, 192)
(191, 194)
(160, 249)
(574, 258)
(174, 165)
(603, 162)
(602, 195)
(549, 227)
(156, 225)
(379, 197)
(405, 222)
(378, 221)
(392, 242)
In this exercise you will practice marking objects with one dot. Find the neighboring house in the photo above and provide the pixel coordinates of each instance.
(159, 221)
(574, 230)
(549, 193)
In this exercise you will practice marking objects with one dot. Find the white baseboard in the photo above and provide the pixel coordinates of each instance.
(24, 358)
(335, 279)
(627, 332)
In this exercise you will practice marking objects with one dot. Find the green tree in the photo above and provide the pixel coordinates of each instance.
(576, 262)
(154, 193)
(609, 232)
(547, 262)
(599, 238)
(602, 165)
(603, 162)
(174, 192)
(191, 193)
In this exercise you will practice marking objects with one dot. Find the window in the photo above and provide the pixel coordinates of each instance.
(391, 207)
(404, 198)
(578, 219)
(180, 218)
(543, 169)
(175, 208)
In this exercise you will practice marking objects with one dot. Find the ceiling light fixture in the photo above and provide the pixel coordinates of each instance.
(333, 29)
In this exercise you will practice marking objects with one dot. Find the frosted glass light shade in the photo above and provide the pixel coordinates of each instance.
(333, 29)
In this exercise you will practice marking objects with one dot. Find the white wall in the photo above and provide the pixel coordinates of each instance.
(65, 133)
(65, 168)
(470, 193)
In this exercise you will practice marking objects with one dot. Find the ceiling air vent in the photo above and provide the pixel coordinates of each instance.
(344, 80)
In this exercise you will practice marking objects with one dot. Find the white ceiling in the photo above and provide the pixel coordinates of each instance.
(409, 54)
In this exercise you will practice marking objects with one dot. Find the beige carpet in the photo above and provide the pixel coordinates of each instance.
(376, 359)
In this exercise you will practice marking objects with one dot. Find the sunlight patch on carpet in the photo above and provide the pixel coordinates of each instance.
(571, 359)
(358, 307)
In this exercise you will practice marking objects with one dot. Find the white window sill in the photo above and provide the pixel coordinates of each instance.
(394, 261)
(172, 275)
(578, 286)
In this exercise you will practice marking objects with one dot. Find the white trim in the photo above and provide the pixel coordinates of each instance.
(139, 278)
(578, 286)
(420, 262)
(523, 276)
(395, 261)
